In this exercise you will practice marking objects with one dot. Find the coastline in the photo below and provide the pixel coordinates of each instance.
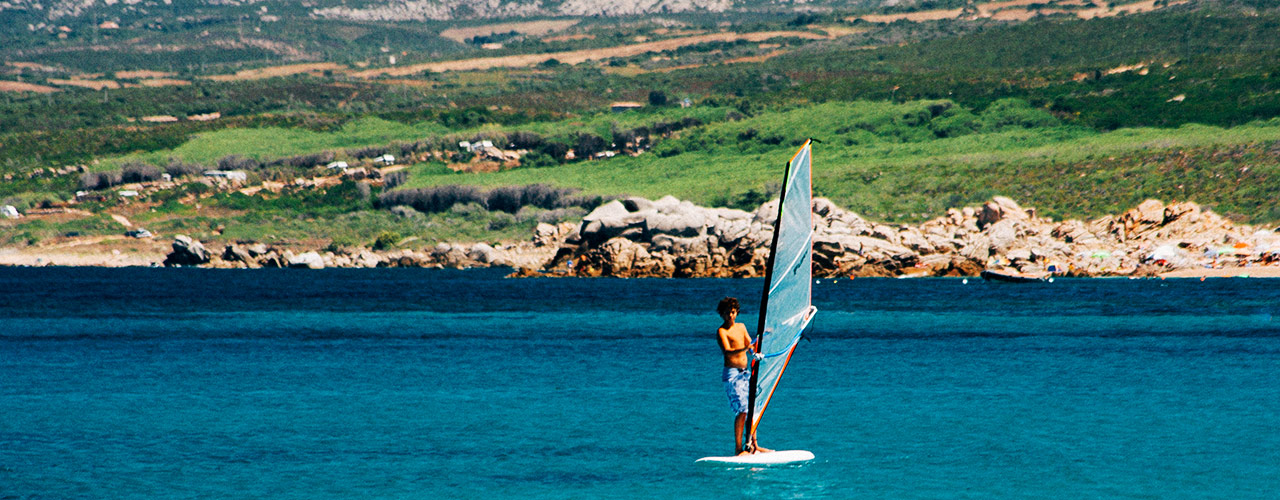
(101, 257)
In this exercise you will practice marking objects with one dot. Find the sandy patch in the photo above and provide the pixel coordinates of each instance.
(987, 9)
(837, 31)
(159, 119)
(274, 71)
(927, 15)
(163, 82)
(7, 86)
(83, 257)
(142, 74)
(568, 38)
(88, 84)
(1132, 8)
(578, 56)
(532, 28)
(32, 66)
(1226, 272)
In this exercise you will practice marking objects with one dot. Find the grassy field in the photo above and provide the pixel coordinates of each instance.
(886, 162)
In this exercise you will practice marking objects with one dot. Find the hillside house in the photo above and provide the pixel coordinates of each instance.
(386, 159)
(10, 212)
(338, 165)
(475, 147)
(230, 175)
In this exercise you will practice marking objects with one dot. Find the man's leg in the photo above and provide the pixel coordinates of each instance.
(739, 422)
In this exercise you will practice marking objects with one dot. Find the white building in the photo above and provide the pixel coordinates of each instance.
(231, 175)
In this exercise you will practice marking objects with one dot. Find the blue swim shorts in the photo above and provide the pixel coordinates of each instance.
(737, 384)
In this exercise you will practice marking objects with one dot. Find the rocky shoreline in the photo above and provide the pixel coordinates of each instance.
(253, 255)
(635, 237)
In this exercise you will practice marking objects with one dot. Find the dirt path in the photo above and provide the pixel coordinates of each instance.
(7, 86)
(578, 56)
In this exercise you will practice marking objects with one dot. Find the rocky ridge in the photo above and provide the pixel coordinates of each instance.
(636, 237)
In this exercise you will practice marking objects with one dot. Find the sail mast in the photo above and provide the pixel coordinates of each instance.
(749, 429)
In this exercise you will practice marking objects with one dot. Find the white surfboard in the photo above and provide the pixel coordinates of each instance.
(771, 458)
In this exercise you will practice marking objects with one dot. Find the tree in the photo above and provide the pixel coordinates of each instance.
(657, 98)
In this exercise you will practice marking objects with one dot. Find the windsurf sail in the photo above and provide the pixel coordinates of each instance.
(785, 306)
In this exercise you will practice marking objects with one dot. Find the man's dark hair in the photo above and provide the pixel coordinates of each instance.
(727, 304)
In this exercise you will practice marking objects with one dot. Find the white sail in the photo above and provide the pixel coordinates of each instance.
(786, 307)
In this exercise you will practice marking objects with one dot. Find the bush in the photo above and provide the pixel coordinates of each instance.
(511, 199)
(139, 172)
(177, 168)
(386, 240)
(524, 140)
(555, 150)
(501, 220)
(100, 180)
(433, 199)
(587, 145)
(368, 152)
(237, 162)
(535, 159)
(1016, 113)
(305, 161)
(393, 179)
(657, 98)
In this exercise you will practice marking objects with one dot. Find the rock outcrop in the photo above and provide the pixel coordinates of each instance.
(672, 238)
(186, 252)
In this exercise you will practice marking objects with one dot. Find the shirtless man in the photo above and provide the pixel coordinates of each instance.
(735, 343)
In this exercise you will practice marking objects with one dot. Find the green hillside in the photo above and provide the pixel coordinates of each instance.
(1077, 118)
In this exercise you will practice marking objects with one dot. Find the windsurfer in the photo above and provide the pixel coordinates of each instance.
(735, 343)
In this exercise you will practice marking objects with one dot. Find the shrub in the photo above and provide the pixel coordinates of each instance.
(524, 140)
(177, 168)
(555, 150)
(100, 180)
(511, 198)
(535, 159)
(368, 152)
(385, 240)
(657, 98)
(433, 199)
(306, 161)
(587, 145)
(393, 179)
(139, 172)
(501, 220)
(237, 162)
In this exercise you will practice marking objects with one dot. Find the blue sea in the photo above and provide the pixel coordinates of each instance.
(413, 383)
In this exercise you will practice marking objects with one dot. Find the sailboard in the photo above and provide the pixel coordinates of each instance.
(785, 305)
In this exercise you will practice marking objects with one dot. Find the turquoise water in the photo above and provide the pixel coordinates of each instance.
(405, 383)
